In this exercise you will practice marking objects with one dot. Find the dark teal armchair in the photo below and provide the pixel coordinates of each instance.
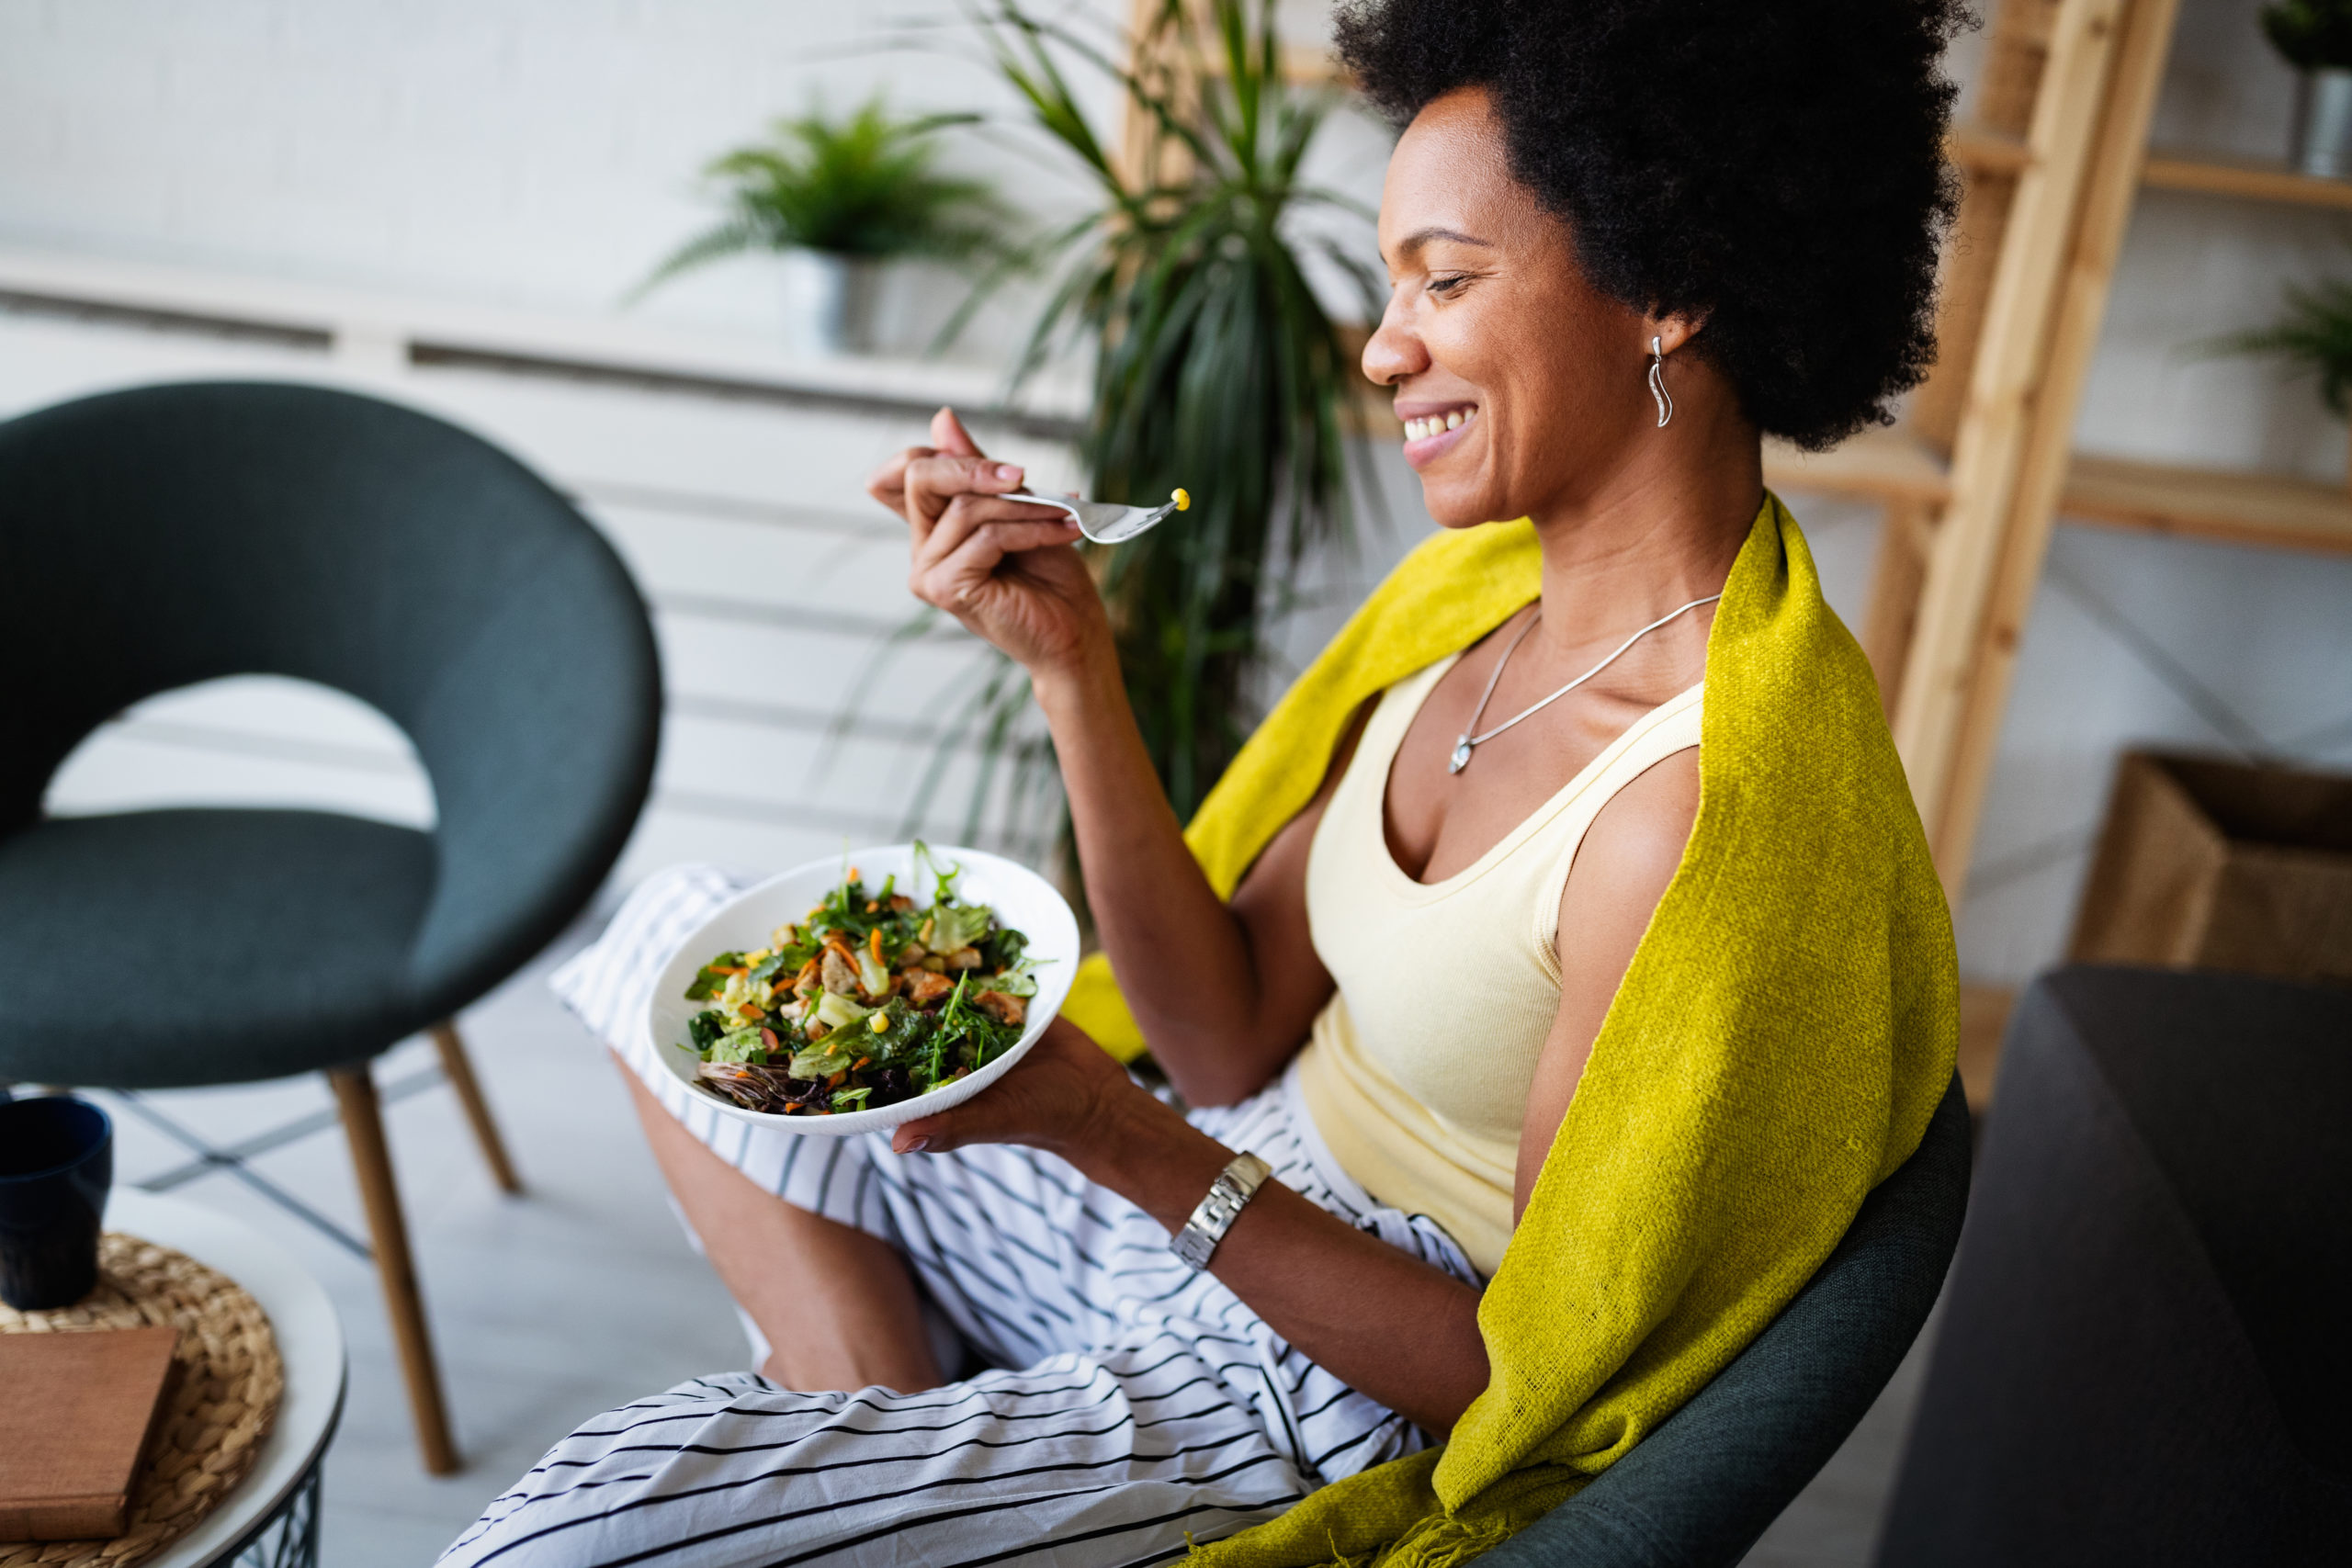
(149, 539)
(1699, 1492)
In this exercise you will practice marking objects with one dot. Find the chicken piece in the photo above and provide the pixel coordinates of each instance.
(837, 973)
(900, 903)
(923, 988)
(1001, 1007)
(964, 958)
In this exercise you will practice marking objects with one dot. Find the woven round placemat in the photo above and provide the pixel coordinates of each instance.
(221, 1403)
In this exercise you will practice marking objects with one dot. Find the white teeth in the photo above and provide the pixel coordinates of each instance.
(1438, 425)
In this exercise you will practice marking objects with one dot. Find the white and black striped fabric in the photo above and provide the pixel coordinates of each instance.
(1136, 1404)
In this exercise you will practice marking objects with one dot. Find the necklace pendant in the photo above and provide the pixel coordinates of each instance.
(1461, 757)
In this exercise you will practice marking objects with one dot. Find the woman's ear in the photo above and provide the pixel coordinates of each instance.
(1673, 330)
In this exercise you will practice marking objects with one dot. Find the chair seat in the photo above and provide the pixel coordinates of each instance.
(155, 949)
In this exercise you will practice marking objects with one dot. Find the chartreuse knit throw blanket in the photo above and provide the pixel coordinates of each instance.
(1785, 1030)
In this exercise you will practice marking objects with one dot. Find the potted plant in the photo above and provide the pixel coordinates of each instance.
(836, 199)
(2315, 36)
(2314, 337)
(1214, 365)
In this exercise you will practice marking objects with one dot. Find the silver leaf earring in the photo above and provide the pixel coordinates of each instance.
(1657, 385)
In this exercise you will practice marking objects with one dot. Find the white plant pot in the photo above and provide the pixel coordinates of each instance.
(829, 301)
(2324, 124)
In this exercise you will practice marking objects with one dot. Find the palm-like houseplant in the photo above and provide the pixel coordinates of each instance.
(1215, 367)
(837, 197)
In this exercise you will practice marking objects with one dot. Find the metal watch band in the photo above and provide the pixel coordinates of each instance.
(1234, 1186)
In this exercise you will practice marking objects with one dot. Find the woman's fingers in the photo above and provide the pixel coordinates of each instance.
(1063, 1083)
(936, 481)
(968, 514)
(887, 484)
(947, 434)
(951, 580)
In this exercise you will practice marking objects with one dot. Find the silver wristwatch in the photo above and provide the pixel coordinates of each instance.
(1235, 1186)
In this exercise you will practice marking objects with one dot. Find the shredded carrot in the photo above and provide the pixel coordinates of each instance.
(731, 969)
(790, 1106)
(835, 1082)
(853, 873)
(874, 945)
(861, 1062)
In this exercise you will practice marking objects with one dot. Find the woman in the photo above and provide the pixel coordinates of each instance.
(1623, 241)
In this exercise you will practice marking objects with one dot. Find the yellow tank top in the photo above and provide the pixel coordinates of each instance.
(1417, 1069)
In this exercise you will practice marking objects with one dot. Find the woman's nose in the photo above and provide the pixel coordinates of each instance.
(1393, 351)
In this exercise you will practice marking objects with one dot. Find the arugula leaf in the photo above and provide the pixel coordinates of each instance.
(850, 1099)
(704, 1029)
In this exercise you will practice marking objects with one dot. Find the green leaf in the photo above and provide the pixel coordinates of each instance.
(708, 981)
(866, 184)
(738, 1045)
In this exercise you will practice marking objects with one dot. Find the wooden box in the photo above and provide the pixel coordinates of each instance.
(2213, 865)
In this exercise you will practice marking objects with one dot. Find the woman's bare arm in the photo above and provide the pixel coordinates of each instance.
(1223, 994)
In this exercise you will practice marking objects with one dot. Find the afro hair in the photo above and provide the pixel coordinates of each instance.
(1776, 170)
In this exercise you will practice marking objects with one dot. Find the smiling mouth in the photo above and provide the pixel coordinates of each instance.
(1421, 429)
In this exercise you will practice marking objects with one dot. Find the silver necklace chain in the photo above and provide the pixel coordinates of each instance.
(1462, 747)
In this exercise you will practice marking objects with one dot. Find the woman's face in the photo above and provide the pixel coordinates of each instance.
(1517, 381)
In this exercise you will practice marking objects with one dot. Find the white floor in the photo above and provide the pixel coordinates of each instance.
(582, 1293)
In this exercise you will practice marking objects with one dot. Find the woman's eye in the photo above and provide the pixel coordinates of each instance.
(1449, 285)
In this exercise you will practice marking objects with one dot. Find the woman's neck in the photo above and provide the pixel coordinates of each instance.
(1659, 530)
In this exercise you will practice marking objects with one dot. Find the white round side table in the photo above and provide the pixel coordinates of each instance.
(271, 1518)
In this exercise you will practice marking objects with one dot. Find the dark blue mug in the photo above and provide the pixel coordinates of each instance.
(56, 1163)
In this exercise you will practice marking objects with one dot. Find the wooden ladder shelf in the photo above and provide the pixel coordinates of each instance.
(1972, 482)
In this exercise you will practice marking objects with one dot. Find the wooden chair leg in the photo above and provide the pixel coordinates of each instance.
(461, 1074)
(371, 1159)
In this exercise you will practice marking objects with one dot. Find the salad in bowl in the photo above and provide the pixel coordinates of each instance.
(852, 995)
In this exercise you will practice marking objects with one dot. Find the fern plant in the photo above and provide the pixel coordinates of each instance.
(868, 186)
(2314, 337)
(1215, 367)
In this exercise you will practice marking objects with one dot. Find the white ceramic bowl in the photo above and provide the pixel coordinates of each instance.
(1022, 900)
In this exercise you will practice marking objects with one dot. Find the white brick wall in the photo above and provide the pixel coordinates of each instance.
(539, 152)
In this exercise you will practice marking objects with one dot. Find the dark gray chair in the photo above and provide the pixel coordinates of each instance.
(2146, 1357)
(153, 538)
(1698, 1491)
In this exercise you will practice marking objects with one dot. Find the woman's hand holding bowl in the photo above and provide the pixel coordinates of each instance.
(1066, 1095)
(1006, 568)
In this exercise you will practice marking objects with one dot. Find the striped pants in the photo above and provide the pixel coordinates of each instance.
(1136, 1403)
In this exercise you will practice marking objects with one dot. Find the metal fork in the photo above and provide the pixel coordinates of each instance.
(1098, 520)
